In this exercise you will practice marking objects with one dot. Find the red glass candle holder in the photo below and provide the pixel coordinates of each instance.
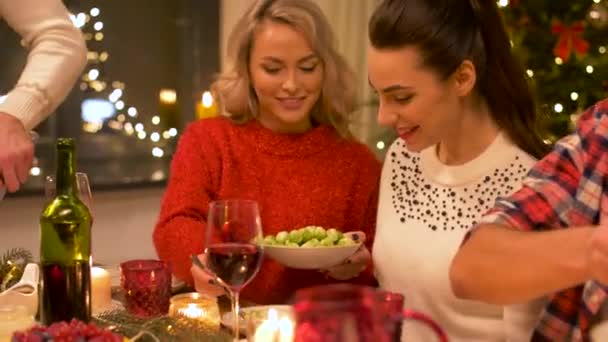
(343, 312)
(147, 287)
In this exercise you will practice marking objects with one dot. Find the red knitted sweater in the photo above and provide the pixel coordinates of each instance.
(315, 178)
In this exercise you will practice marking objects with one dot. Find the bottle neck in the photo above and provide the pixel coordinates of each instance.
(66, 174)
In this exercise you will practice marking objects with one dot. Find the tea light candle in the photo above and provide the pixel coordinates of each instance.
(274, 329)
(101, 289)
(195, 306)
(192, 311)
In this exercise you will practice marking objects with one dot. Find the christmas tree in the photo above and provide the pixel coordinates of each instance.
(562, 45)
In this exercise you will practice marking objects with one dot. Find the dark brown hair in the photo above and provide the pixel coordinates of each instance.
(447, 32)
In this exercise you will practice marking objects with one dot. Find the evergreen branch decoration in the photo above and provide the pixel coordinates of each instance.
(163, 328)
(12, 266)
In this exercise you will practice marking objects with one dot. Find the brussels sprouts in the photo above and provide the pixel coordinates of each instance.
(282, 237)
(311, 243)
(269, 240)
(346, 241)
(309, 237)
(320, 233)
(295, 236)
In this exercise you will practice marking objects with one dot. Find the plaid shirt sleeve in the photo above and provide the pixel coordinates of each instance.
(564, 189)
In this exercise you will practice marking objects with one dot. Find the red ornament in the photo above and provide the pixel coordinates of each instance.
(569, 39)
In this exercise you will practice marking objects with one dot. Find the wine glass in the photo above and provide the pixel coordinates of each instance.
(232, 252)
(82, 188)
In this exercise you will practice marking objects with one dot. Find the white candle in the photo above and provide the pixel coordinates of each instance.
(274, 329)
(285, 330)
(101, 289)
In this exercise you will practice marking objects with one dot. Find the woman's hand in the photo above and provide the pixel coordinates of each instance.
(204, 281)
(352, 266)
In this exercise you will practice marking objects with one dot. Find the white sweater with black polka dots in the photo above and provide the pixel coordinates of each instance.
(424, 212)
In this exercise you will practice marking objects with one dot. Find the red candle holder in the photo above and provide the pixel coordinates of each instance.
(147, 287)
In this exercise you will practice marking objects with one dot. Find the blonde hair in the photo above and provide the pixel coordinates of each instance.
(233, 88)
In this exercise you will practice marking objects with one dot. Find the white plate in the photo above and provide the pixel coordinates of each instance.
(260, 312)
(310, 258)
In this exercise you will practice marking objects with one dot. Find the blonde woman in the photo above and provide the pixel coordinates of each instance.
(283, 140)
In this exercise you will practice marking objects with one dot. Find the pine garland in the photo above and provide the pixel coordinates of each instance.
(12, 265)
(163, 328)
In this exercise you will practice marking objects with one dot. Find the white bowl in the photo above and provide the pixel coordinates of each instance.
(310, 258)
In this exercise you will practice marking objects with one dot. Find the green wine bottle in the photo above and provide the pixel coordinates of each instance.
(65, 246)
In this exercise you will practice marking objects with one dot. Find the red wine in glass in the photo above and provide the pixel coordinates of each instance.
(231, 250)
(235, 264)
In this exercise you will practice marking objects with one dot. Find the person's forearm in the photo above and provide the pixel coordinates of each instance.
(503, 266)
(57, 55)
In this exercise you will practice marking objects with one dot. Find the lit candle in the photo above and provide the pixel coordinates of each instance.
(195, 306)
(285, 330)
(101, 289)
(206, 108)
(192, 311)
(274, 329)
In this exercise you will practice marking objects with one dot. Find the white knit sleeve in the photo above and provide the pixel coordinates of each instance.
(56, 58)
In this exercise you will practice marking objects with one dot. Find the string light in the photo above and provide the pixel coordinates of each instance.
(558, 61)
(78, 20)
(93, 74)
(132, 111)
(167, 96)
(115, 95)
(128, 127)
(158, 152)
(503, 3)
(602, 49)
(91, 81)
(380, 145)
(558, 108)
(574, 96)
(589, 69)
(35, 171)
(530, 73)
